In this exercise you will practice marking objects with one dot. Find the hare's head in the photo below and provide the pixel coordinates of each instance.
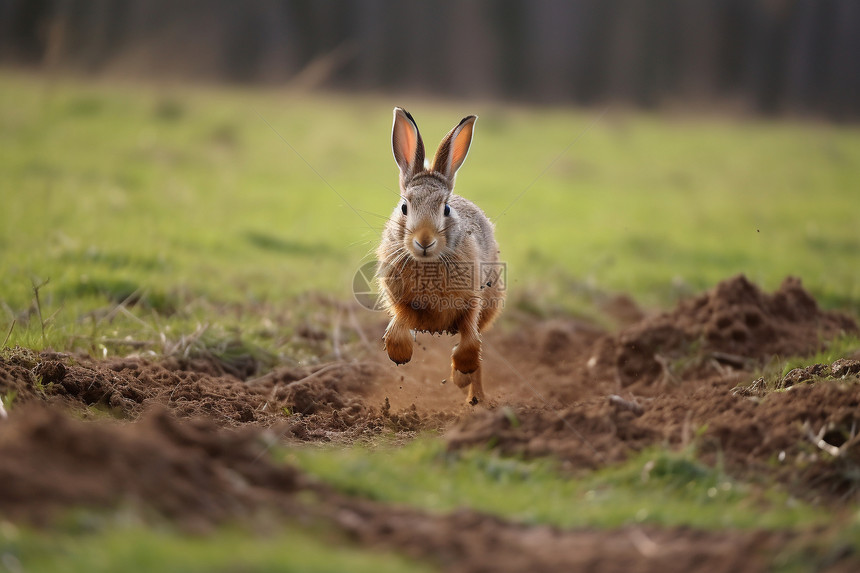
(424, 221)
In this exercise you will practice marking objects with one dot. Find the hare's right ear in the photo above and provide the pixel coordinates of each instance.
(454, 148)
(407, 145)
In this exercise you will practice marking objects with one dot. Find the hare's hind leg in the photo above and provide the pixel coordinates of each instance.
(466, 358)
(471, 383)
(467, 353)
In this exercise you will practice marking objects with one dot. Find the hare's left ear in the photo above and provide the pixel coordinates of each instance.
(407, 145)
(454, 148)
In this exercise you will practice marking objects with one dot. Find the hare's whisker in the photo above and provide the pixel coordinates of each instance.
(389, 189)
(406, 258)
(387, 218)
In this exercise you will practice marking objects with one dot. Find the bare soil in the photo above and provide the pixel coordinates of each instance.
(190, 437)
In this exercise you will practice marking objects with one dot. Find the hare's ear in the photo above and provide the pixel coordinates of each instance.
(406, 144)
(454, 148)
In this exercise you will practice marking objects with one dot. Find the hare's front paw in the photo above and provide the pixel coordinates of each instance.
(399, 349)
(466, 359)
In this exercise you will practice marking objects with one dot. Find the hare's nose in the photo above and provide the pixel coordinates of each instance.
(423, 247)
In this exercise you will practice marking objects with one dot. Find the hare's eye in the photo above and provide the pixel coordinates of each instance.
(447, 210)
(403, 208)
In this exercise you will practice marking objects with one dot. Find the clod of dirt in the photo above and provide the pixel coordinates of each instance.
(805, 374)
(844, 367)
(733, 323)
(50, 371)
(15, 378)
(841, 369)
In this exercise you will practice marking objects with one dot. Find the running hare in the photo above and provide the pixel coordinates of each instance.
(439, 268)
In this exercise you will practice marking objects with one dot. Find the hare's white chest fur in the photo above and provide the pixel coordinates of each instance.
(439, 267)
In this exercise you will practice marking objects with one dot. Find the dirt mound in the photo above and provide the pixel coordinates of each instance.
(733, 325)
(672, 379)
(320, 403)
(806, 437)
(126, 387)
(190, 472)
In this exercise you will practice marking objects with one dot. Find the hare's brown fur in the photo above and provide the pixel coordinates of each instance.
(439, 267)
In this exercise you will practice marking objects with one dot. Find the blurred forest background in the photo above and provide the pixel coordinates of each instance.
(767, 56)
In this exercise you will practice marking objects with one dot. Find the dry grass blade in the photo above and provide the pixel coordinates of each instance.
(824, 445)
(335, 337)
(359, 330)
(36, 288)
(9, 334)
(622, 404)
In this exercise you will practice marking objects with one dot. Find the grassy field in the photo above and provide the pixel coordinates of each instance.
(106, 544)
(160, 216)
(187, 200)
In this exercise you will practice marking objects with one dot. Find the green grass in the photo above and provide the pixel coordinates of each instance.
(186, 206)
(136, 549)
(658, 487)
